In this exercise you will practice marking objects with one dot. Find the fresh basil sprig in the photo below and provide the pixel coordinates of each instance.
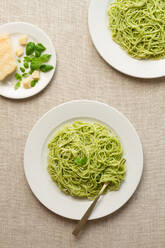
(30, 47)
(17, 85)
(34, 60)
(80, 161)
(45, 68)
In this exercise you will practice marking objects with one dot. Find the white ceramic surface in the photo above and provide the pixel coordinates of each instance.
(16, 30)
(35, 158)
(111, 52)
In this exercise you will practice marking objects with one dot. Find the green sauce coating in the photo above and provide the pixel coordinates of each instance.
(84, 155)
(138, 26)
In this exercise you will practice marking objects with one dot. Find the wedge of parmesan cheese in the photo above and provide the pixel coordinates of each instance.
(7, 60)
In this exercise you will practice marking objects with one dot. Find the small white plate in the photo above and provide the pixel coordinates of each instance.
(111, 51)
(35, 158)
(15, 30)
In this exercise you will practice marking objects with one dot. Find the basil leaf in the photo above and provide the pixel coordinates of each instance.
(27, 59)
(19, 61)
(45, 58)
(81, 161)
(22, 69)
(45, 68)
(18, 76)
(31, 71)
(25, 74)
(77, 161)
(30, 47)
(26, 65)
(17, 85)
(39, 47)
(35, 64)
(37, 53)
(33, 83)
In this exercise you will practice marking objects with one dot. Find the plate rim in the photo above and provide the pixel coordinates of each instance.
(54, 54)
(111, 63)
(86, 101)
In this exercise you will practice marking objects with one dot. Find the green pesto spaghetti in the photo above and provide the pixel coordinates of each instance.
(84, 155)
(138, 26)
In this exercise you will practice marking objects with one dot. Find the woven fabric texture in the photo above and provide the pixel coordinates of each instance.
(80, 74)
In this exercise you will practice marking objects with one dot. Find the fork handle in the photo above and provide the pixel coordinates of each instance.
(85, 217)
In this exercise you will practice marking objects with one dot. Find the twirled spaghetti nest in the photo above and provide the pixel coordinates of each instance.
(138, 26)
(82, 156)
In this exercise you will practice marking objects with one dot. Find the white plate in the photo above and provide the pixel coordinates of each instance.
(111, 52)
(35, 158)
(15, 30)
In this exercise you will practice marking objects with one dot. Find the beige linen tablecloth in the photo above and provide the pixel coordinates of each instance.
(81, 73)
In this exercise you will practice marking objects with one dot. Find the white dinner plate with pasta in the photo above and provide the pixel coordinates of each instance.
(73, 149)
(137, 27)
(27, 60)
